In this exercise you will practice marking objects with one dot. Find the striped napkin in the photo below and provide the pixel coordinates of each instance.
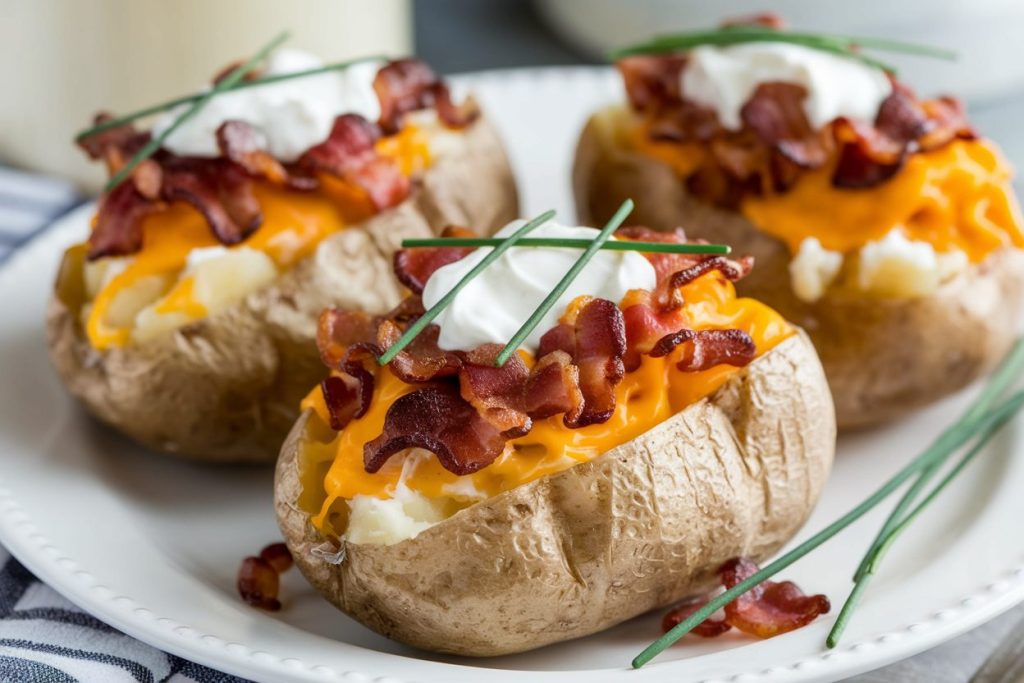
(44, 638)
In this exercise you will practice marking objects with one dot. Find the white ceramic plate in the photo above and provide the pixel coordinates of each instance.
(152, 545)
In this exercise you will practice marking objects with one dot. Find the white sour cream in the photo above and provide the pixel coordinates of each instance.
(290, 116)
(724, 79)
(495, 304)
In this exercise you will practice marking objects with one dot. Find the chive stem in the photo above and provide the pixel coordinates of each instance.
(563, 284)
(574, 243)
(933, 453)
(185, 99)
(874, 557)
(421, 323)
(1008, 371)
(228, 82)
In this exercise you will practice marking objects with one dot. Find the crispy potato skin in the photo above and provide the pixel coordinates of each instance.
(227, 388)
(883, 357)
(642, 526)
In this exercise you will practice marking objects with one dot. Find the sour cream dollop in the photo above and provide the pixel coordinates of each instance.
(724, 79)
(495, 304)
(290, 116)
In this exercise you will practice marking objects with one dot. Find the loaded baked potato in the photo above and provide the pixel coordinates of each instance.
(651, 427)
(879, 222)
(188, 320)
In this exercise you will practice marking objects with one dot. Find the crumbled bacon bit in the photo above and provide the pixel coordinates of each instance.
(600, 344)
(406, 85)
(118, 230)
(767, 610)
(413, 267)
(337, 330)
(704, 349)
(496, 392)
(237, 141)
(437, 419)
(422, 360)
(259, 577)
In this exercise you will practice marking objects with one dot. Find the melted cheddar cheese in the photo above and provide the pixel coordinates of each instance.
(644, 398)
(957, 197)
(294, 223)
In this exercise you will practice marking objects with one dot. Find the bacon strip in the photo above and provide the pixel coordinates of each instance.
(337, 330)
(349, 153)
(422, 360)
(767, 610)
(238, 141)
(600, 336)
(413, 267)
(775, 114)
(496, 393)
(407, 85)
(705, 349)
(553, 388)
(118, 230)
(439, 420)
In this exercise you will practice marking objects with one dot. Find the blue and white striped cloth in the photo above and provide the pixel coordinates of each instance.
(44, 638)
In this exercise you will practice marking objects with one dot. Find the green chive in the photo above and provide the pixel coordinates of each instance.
(896, 523)
(563, 284)
(436, 309)
(846, 46)
(1007, 372)
(935, 452)
(1002, 415)
(185, 99)
(569, 242)
(228, 82)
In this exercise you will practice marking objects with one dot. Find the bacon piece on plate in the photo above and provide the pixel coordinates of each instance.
(709, 628)
(769, 609)
(414, 266)
(439, 420)
(422, 360)
(707, 348)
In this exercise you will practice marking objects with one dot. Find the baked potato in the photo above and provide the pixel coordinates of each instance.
(224, 384)
(909, 282)
(605, 522)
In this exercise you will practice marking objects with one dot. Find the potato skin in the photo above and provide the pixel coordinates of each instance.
(883, 357)
(227, 388)
(640, 527)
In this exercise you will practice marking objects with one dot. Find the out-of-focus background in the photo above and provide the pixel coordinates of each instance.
(67, 59)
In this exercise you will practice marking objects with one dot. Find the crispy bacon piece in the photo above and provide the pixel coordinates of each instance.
(553, 388)
(652, 81)
(221, 191)
(769, 609)
(422, 360)
(439, 420)
(349, 396)
(496, 393)
(775, 113)
(118, 230)
(114, 146)
(337, 329)
(349, 153)
(600, 344)
(709, 628)
(407, 85)
(733, 271)
(413, 267)
(705, 349)
(238, 141)
(259, 577)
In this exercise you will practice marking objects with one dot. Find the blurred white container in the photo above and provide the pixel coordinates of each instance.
(65, 60)
(985, 33)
